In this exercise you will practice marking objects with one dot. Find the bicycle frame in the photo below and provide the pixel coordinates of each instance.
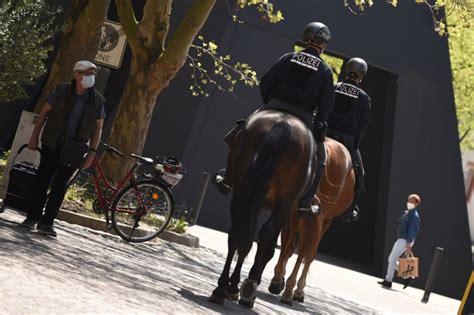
(104, 201)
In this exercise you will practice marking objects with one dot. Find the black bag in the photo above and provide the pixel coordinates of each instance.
(72, 153)
(20, 185)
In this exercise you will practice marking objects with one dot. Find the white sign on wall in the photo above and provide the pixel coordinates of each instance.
(112, 45)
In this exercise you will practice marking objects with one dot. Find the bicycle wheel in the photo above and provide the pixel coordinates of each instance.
(141, 212)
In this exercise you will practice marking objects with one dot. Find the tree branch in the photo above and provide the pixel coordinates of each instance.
(154, 25)
(464, 135)
(178, 47)
(129, 25)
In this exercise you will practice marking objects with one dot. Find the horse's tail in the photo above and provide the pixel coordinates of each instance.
(259, 172)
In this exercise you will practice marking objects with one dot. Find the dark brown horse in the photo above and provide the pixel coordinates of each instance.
(336, 193)
(271, 162)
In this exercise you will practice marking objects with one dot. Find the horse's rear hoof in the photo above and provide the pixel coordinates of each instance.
(233, 296)
(214, 299)
(232, 292)
(276, 287)
(298, 297)
(247, 302)
(248, 293)
(287, 298)
(284, 301)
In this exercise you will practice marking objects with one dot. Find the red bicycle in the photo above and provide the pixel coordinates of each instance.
(139, 209)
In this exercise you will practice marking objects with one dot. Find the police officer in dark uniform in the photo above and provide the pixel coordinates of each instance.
(300, 83)
(348, 121)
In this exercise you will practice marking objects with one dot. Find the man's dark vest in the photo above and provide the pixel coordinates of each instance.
(61, 109)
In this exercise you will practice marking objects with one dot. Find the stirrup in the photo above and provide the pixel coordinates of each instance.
(350, 216)
(304, 212)
(218, 181)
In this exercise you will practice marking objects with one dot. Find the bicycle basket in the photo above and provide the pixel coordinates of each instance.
(172, 178)
(169, 169)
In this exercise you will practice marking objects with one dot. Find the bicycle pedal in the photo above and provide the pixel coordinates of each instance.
(109, 226)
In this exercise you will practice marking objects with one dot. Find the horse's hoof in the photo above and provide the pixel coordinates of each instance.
(232, 292)
(214, 299)
(246, 302)
(290, 302)
(298, 297)
(287, 298)
(276, 287)
(232, 296)
(248, 293)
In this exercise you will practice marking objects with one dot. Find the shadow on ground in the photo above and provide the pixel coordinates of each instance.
(151, 277)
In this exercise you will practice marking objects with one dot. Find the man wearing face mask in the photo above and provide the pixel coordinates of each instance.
(406, 232)
(74, 112)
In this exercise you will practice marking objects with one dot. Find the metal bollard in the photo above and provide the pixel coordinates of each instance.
(433, 273)
(199, 198)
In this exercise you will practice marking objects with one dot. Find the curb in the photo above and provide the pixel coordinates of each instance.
(99, 224)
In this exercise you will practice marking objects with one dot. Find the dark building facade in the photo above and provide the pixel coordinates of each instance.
(411, 145)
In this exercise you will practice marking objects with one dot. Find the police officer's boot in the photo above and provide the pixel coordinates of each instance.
(352, 214)
(221, 179)
(306, 207)
(222, 182)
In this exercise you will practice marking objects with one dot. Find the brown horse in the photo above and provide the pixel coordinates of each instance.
(336, 193)
(271, 162)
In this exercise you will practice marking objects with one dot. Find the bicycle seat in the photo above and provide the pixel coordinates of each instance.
(142, 159)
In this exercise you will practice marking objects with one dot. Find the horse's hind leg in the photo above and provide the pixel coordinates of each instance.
(308, 230)
(311, 255)
(268, 237)
(287, 296)
(243, 240)
(232, 290)
(219, 294)
(288, 239)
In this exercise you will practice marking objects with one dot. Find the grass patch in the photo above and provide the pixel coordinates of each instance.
(178, 225)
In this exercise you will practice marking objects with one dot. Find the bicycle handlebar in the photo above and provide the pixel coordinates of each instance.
(111, 148)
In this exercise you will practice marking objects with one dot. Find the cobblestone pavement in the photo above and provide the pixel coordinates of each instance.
(84, 271)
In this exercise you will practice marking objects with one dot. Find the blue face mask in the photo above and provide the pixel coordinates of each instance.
(88, 81)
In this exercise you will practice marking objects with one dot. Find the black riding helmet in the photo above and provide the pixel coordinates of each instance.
(316, 32)
(357, 66)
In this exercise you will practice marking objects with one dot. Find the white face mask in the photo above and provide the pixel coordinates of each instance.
(88, 81)
(410, 206)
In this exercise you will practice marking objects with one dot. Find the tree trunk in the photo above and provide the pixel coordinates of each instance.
(150, 73)
(131, 123)
(80, 40)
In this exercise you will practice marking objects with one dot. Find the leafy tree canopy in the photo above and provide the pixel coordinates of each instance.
(461, 48)
(25, 28)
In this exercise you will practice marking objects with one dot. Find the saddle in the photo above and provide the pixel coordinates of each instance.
(305, 117)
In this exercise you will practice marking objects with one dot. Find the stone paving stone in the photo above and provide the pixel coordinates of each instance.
(86, 271)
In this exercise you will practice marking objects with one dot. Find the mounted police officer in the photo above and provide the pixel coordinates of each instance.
(300, 83)
(348, 121)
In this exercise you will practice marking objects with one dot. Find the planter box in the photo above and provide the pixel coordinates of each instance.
(99, 224)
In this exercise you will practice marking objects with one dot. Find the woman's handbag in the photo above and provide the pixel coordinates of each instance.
(408, 266)
(72, 153)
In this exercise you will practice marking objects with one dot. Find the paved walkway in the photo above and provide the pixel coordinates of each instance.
(84, 271)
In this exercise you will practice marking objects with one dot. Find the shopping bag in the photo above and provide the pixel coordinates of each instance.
(408, 266)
